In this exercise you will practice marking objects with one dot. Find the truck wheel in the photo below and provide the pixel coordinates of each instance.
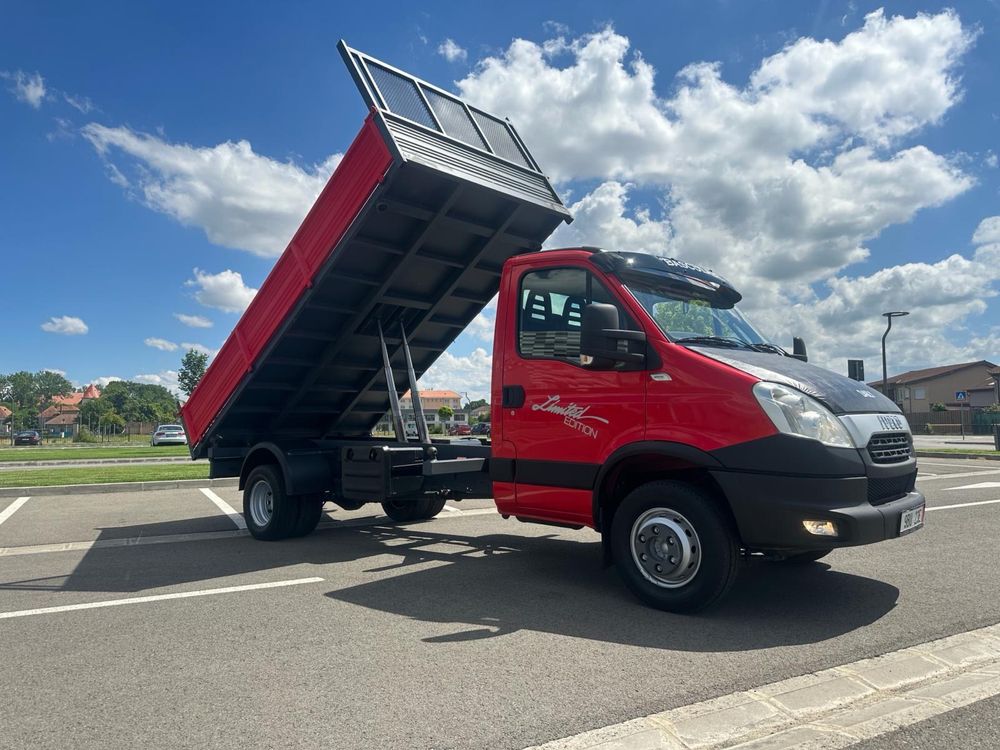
(310, 511)
(269, 512)
(674, 547)
(413, 510)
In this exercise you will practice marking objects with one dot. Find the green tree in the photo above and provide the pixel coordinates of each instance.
(476, 404)
(50, 384)
(192, 369)
(445, 413)
(141, 402)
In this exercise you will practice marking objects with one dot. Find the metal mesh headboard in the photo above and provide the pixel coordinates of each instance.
(391, 90)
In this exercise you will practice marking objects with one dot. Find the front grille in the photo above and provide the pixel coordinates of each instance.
(890, 448)
(885, 490)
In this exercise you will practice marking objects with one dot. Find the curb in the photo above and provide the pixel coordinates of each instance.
(942, 454)
(113, 487)
(94, 461)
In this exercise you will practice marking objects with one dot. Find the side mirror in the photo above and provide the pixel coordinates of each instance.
(600, 336)
(799, 349)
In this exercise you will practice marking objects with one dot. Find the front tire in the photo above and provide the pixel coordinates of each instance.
(674, 546)
(269, 512)
(403, 511)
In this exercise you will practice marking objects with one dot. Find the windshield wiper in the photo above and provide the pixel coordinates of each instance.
(714, 341)
(765, 347)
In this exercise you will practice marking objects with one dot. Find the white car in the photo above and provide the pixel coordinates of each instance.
(169, 434)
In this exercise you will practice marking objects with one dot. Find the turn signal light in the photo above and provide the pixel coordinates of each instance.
(821, 528)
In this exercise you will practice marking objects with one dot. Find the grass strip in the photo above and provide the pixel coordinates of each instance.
(36, 453)
(38, 477)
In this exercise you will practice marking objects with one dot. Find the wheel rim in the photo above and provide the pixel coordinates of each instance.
(666, 548)
(261, 503)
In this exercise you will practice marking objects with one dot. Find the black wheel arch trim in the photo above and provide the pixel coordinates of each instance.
(695, 456)
(304, 469)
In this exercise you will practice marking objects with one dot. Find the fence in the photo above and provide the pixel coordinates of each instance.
(958, 421)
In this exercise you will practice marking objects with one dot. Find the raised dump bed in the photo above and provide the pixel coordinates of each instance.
(411, 230)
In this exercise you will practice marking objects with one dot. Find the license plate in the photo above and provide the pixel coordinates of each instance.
(911, 520)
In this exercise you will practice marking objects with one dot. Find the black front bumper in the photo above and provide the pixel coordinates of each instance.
(770, 508)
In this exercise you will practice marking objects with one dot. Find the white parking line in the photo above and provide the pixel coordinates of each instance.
(962, 505)
(156, 598)
(12, 508)
(225, 507)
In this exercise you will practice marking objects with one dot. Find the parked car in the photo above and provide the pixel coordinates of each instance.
(169, 434)
(27, 437)
(460, 430)
(483, 428)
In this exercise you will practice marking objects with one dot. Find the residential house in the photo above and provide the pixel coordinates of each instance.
(481, 413)
(5, 420)
(62, 416)
(956, 386)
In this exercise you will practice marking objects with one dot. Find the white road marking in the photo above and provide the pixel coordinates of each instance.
(225, 507)
(980, 486)
(962, 505)
(959, 475)
(156, 598)
(12, 508)
(452, 509)
(832, 708)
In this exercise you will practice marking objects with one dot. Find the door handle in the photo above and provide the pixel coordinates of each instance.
(513, 396)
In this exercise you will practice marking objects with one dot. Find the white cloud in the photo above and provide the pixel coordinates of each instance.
(991, 160)
(784, 177)
(55, 370)
(162, 344)
(166, 378)
(469, 374)
(224, 291)
(451, 51)
(483, 324)
(239, 198)
(194, 321)
(66, 325)
(102, 381)
(602, 217)
(988, 231)
(80, 103)
(778, 183)
(27, 87)
(200, 348)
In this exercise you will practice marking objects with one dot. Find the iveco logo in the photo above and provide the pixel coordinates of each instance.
(866, 394)
(890, 423)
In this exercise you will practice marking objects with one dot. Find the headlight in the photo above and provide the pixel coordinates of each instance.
(795, 413)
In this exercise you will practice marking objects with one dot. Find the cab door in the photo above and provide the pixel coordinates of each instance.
(563, 419)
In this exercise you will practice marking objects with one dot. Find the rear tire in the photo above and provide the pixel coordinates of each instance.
(403, 511)
(674, 546)
(269, 512)
(310, 512)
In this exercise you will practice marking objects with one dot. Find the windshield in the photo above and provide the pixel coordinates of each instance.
(689, 320)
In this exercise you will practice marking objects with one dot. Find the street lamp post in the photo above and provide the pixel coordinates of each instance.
(888, 316)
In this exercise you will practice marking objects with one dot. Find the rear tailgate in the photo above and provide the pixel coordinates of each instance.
(412, 228)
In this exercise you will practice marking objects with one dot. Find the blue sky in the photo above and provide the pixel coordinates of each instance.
(151, 152)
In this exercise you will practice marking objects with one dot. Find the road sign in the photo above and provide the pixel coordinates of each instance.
(856, 369)
(961, 395)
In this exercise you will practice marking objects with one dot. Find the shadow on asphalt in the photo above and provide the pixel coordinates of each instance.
(495, 584)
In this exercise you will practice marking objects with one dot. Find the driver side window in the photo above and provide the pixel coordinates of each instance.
(551, 311)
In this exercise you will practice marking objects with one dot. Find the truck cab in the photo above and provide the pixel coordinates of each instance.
(635, 398)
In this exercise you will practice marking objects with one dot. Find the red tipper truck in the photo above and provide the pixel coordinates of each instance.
(629, 394)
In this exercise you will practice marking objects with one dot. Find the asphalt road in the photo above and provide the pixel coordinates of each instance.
(467, 631)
